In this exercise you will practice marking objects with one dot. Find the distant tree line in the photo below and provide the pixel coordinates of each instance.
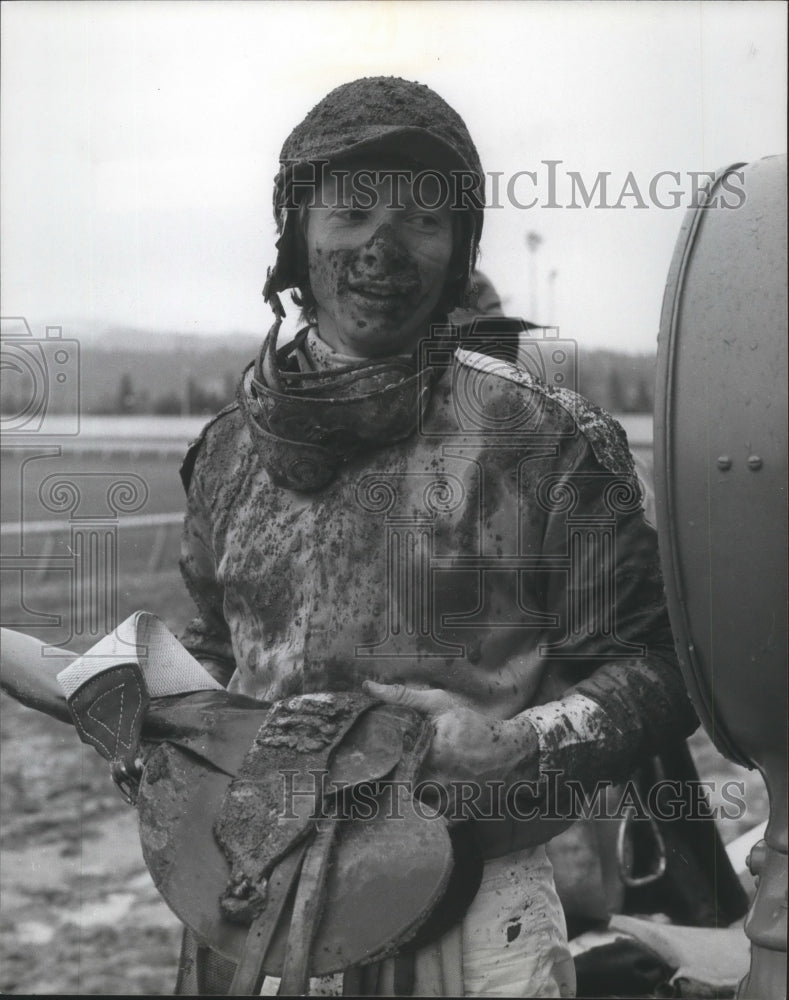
(621, 383)
(618, 382)
(178, 380)
(197, 397)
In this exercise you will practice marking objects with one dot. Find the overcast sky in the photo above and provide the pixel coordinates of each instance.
(140, 139)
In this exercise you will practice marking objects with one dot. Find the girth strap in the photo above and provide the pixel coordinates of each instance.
(250, 972)
(307, 911)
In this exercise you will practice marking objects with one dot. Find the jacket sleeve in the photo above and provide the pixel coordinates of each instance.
(207, 636)
(624, 696)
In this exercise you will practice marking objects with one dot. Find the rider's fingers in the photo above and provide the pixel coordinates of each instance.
(432, 701)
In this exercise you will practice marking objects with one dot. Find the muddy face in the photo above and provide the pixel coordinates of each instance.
(378, 261)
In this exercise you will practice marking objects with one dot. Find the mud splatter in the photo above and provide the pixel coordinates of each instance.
(513, 930)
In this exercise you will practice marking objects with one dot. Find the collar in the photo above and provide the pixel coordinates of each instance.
(309, 423)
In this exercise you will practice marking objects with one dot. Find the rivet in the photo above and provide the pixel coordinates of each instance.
(724, 462)
(757, 858)
(754, 462)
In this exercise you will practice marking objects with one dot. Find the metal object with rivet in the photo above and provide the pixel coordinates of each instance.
(757, 858)
(722, 341)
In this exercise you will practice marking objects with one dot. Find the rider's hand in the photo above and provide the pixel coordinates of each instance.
(467, 745)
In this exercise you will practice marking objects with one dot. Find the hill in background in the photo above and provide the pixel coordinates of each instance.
(125, 370)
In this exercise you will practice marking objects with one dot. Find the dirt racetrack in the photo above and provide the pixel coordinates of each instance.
(78, 911)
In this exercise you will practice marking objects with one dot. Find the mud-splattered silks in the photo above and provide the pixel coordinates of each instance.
(499, 553)
(308, 423)
(466, 556)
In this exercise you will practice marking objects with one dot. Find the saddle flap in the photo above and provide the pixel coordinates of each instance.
(215, 726)
(108, 711)
(369, 752)
(390, 861)
(385, 877)
(277, 794)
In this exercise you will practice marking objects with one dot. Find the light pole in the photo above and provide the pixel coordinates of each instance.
(533, 242)
(551, 318)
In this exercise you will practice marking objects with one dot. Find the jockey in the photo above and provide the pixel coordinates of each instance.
(388, 508)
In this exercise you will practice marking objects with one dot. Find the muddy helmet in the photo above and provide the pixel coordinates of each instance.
(379, 115)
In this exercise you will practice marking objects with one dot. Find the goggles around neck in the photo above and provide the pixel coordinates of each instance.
(309, 423)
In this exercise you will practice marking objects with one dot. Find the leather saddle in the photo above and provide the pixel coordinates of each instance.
(284, 835)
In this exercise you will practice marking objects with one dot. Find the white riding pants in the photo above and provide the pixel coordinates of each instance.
(512, 942)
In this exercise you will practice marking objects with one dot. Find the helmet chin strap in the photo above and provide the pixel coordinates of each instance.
(271, 296)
